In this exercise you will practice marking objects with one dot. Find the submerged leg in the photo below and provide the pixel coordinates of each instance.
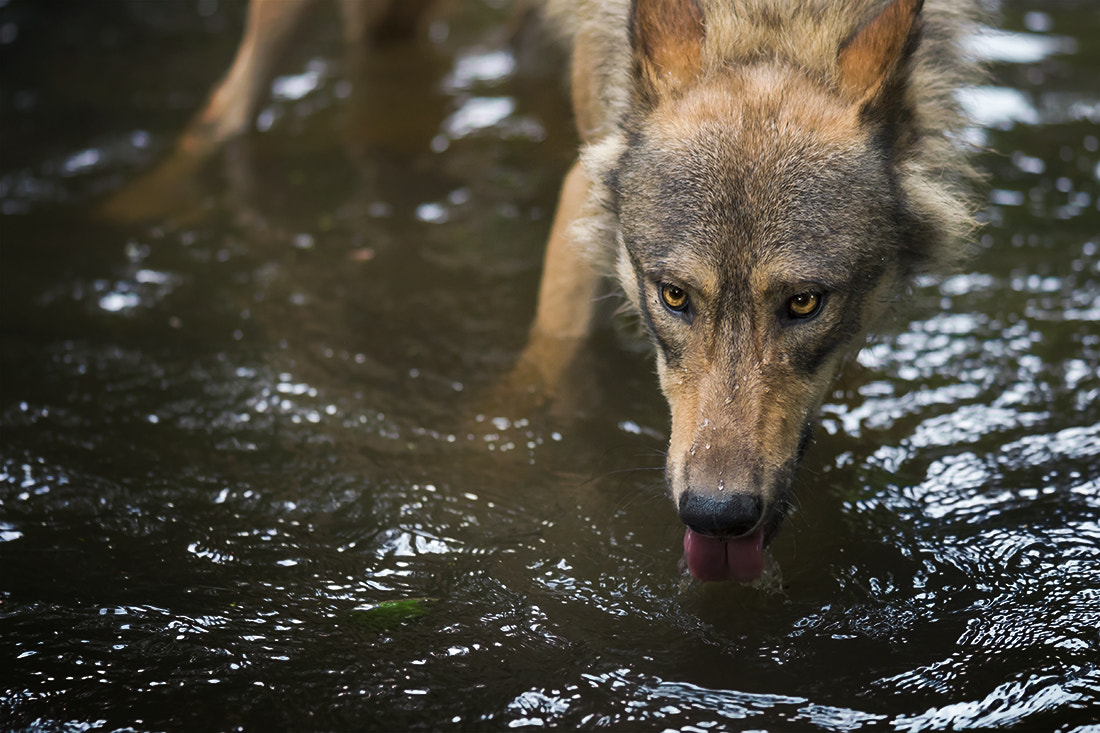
(567, 296)
(232, 105)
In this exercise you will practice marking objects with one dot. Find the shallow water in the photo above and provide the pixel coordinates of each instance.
(235, 437)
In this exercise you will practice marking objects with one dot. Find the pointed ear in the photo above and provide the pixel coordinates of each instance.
(870, 60)
(667, 40)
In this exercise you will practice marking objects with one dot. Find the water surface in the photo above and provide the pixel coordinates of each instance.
(250, 480)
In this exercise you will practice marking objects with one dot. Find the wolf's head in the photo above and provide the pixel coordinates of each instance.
(766, 215)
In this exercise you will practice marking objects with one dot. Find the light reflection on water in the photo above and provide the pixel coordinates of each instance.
(229, 441)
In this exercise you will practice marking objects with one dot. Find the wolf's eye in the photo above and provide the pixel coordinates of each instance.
(675, 299)
(804, 305)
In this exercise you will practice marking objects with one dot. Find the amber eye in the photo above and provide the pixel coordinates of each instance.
(804, 305)
(675, 298)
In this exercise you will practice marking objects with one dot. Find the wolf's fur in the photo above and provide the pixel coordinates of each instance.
(745, 153)
(804, 34)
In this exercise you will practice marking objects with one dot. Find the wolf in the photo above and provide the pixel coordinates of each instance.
(763, 178)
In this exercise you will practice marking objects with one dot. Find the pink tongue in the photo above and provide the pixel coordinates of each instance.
(741, 558)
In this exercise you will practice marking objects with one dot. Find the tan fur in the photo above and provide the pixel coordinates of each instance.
(869, 56)
(668, 43)
(812, 32)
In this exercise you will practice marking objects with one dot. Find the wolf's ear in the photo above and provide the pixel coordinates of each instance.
(873, 61)
(666, 37)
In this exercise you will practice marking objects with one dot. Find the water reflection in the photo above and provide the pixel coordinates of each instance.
(992, 44)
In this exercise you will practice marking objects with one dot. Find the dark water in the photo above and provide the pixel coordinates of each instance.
(234, 438)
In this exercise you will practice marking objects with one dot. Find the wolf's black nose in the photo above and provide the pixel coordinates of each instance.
(731, 515)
